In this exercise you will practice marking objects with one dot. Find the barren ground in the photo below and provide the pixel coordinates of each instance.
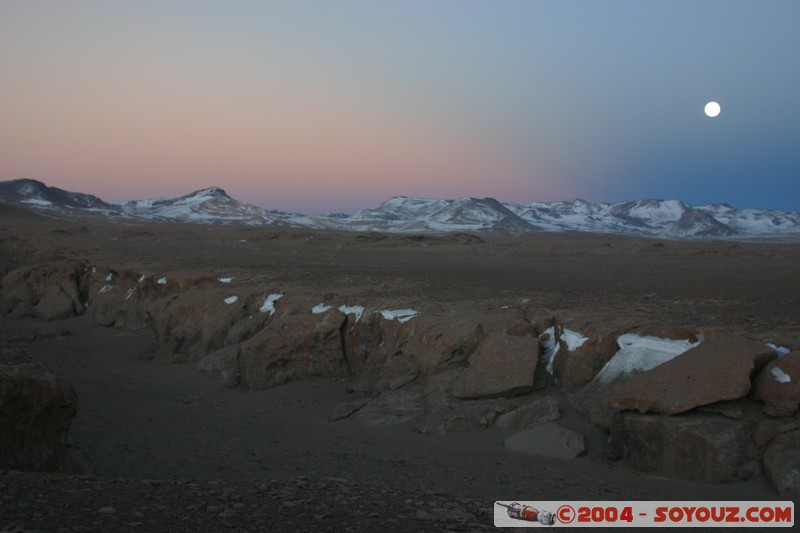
(142, 420)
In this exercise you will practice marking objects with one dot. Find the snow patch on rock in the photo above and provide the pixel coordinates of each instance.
(780, 350)
(550, 346)
(269, 304)
(401, 315)
(640, 353)
(780, 376)
(357, 310)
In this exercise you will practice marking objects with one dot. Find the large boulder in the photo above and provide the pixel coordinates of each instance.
(50, 291)
(720, 368)
(36, 410)
(293, 347)
(782, 465)
(700, 447)
(380, 351)
(549, 439)
(778, 386)
(503, 365)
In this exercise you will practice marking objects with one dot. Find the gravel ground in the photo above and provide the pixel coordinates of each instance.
(64, 503)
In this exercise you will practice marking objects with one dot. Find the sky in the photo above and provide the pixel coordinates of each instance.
(335, 106)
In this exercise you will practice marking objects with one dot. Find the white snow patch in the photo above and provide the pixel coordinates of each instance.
(572, 339)
(162, 281)
(231, 300)
(401, 315)
(36, 201)
(94, 269)
(269, 304)
(357, 310)
(780, 376)
(141, 279)
(105, 289)
(224, 280)
(780, 350)
(321, 308)
(109, 277)
(640, 353)
(129, 294)
(549, 349)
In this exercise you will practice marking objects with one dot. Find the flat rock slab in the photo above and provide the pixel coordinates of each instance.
(719, 369)
(503, 365)
(536, 412)
(548, 439)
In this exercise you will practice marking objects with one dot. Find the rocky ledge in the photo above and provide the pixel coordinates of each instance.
(702, 404)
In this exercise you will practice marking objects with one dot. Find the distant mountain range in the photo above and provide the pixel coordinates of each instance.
(667, 218)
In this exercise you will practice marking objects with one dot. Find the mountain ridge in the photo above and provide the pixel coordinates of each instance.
(403, 214)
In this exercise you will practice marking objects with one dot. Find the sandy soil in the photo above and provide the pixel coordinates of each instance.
(142, 420)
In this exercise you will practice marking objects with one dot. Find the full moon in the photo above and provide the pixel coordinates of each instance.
(712, 109)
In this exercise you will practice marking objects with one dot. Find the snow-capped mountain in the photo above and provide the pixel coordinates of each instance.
(32, 193)
(697, 223)
(401, 208)
(400, 214)
(211, 205)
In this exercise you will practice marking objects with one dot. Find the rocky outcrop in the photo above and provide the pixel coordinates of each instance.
(196, 323)
(778, 386)
(36, 410)
(700, 447)
(456, 368)
(379, 350)
(782, 465)
(124, 299)
(49, 291)
(502, 365)
(293, 347)
(549, 440)
(720, 368)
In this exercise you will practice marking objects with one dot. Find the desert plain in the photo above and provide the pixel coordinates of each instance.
(348, 441)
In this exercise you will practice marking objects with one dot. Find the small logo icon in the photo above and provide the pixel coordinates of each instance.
(565, 514)
(528, 513)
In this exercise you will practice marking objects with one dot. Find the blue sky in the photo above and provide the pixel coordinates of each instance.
(335, 106)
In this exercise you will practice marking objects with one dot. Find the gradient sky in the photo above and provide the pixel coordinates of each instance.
(333, 106)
